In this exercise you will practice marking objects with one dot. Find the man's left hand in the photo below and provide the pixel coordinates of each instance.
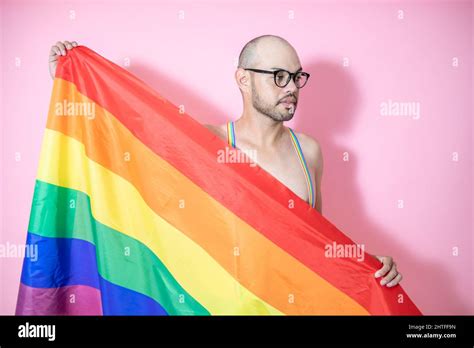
(391, 276)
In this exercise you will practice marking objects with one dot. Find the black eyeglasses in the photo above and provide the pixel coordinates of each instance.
(282, 77)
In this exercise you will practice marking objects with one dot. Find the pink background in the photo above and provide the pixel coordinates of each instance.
(400, 56)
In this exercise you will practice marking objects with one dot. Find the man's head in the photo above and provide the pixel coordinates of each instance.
(268, 52)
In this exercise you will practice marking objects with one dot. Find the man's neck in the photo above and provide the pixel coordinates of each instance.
(260, 130)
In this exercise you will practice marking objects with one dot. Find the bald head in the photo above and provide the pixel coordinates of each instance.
(261, 47)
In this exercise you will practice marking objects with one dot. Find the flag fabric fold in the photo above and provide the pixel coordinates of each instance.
(134, 214)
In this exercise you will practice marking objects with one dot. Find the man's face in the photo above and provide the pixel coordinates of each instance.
(278, 103)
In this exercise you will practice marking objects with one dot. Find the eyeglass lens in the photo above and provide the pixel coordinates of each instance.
(282, 78)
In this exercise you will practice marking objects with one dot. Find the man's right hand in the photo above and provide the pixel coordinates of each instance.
(60, 49)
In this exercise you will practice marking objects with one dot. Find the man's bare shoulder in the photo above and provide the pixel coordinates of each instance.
(218, 129)
(310, 146)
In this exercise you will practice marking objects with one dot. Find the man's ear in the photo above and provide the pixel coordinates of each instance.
(242, 77)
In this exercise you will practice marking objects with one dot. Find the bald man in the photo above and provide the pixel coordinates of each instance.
(267, 103)
(269, 76)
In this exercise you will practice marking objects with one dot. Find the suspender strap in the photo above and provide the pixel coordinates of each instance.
(309, 182)
(230, 134)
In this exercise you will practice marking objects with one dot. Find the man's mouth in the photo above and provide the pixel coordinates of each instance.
(288, 102)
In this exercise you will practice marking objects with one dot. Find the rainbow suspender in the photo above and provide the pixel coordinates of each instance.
(230, 134)
(299, 152)
(309, 182)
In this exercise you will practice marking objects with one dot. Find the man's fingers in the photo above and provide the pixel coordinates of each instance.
(390, 276)
(396, 280)
(54, 52)
(61, 47)
(387, 265)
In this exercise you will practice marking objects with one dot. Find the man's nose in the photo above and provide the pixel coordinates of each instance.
(290, 88)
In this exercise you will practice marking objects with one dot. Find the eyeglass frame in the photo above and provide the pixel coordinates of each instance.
(275, 72)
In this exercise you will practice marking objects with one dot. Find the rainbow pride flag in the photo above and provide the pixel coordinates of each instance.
(133, 215)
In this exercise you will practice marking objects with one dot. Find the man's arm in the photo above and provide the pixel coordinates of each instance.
(217, 130)
(210, 127)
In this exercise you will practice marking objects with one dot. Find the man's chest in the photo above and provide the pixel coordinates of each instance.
(282, 163)
(285, 166)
